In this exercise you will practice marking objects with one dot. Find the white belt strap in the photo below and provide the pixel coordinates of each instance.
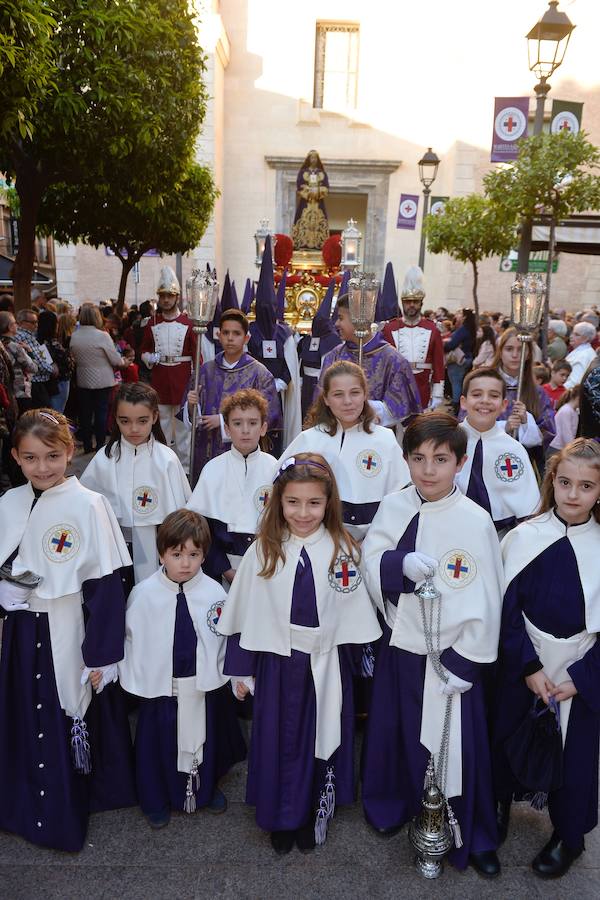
(327, 678)
(420, 366)
(191, 722)
(312, 372)
(173, 360)
(556, 655)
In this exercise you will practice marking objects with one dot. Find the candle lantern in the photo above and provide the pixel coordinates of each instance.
(362, 299)
(351, 238)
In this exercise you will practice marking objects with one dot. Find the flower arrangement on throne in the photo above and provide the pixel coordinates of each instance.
(311, 228)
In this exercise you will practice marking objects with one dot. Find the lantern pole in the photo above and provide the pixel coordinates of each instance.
(202, 291)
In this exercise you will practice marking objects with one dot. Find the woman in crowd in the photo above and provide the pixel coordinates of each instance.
(460, 348)
(47, 334)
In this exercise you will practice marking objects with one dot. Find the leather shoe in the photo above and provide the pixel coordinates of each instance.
(305, 838)
(502, 819)
(387, 832)
(485, 863)
(282, 841)
(554, 860)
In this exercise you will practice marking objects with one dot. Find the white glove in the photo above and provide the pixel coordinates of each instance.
(454, 685)
(13, 596)
(435, 402)
(280, 384)
(110, 673)
(417, 566)
(150, 359)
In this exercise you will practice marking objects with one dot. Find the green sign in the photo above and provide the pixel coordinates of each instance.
(538, 262)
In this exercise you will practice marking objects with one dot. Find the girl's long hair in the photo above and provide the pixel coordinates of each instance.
(273, 529)
(529, 392)
(320, 414)
(583, 449)
(133, 392)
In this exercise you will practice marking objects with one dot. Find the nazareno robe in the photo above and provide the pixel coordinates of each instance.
(367, 467)
(176, 627)
(285, 778)
(43, 798)
(556, 586)
(231, 494)
(217, 382)
(394, 759)
(389, 375)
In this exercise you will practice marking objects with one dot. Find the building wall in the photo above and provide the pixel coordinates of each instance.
(427, 77)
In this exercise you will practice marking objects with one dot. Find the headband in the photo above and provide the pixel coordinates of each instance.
(292, 461)
(49, 416)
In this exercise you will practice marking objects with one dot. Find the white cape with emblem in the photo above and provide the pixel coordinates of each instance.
(507, 472)
(69, 537)
(367, 467)
(143, 485)
(462, 537)
(233, 489)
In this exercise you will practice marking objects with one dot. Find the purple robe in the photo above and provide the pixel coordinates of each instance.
(394, 760)
(223, 543)
(285, 779)
(43, 798)
(216, 383)
(160, 785)
(388, 374)
(548, 591)
(312, 359)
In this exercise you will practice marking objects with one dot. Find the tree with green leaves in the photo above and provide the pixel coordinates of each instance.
(127, 92)
(26, 62)
(470, 229)
(527, 188)
(129, 224)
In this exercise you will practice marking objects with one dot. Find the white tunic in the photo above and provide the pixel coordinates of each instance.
(367, 467)
(143, 485)
(507, 473)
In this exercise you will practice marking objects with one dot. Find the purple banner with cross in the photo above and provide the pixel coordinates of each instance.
(511, 116)
(407, 212)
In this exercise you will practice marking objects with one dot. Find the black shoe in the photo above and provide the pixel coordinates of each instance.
(305, 838)
(387, 832)
(485, 863)
(282, 841)
(554, 860)
(159, 819)
(502, 819)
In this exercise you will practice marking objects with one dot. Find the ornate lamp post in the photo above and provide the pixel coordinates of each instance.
(428, 168)
(362, 298)
(527, 296)
(546, 47)
(260, 236)
(202, 293)
(351, 238)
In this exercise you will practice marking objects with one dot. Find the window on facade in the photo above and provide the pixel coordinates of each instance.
(336, 66)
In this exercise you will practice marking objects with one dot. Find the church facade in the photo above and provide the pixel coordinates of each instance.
(370, 87)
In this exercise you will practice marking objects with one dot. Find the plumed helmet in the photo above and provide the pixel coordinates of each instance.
(412, 289)
(168, 283)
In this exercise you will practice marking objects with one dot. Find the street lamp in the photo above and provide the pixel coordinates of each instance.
(260, 237)
(546, 47)
(351, 238)
(428, 168)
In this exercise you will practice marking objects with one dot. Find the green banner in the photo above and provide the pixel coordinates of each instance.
(538, 262)
(565, 116)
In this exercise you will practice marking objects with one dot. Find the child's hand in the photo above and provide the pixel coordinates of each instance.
(229, 575)
(211, 422)
(242, 687)
(241, 690)
(541, 685)
(519, 409)
(564, 690)
(192, 398)
(95, 678)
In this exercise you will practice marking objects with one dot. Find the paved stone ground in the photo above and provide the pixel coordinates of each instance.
(204, 856)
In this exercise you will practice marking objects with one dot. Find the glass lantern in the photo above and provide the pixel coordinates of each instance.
(527, 301)
(260, 238)
(351, 238)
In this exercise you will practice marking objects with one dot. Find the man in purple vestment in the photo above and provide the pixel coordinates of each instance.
(393, 391)
(230, 371)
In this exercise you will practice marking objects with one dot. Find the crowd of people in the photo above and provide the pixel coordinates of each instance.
(436, 570)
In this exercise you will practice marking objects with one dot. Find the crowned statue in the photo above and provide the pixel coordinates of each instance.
(311, 228)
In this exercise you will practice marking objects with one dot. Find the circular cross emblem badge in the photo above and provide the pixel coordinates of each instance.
(369, 463)
(408, 209)
(60, 543)
(438, 207)
(213, 615)
(345, 576)
(509, 467)
(261, 496)
(510, 123)
(457, 568)
(565, 121)
(145, 500)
